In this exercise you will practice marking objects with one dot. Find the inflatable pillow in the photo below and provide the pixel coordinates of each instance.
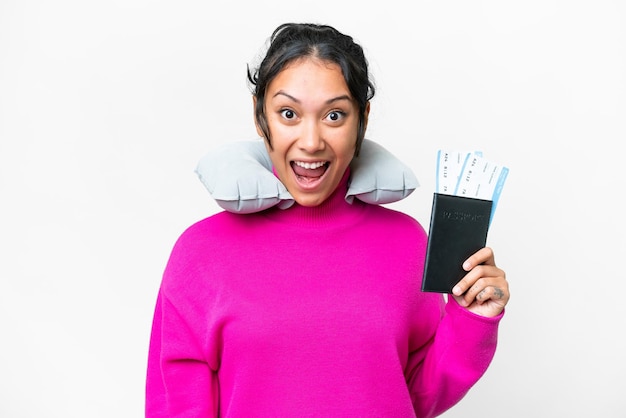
(239, 176)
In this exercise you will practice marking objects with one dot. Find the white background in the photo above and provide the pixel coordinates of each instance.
(106, 107)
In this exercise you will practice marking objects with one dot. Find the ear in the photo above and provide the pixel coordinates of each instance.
(256, 124)
(366, 116)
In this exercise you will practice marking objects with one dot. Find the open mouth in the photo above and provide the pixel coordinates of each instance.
(309, 172)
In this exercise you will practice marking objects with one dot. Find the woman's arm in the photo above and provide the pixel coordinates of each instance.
(440, 373)
(179, 382)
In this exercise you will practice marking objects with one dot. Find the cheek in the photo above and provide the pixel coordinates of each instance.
(348, 155)
(280, 132)
(278, 153)
(345, 145)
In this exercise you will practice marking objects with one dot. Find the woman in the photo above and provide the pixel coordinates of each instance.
(315, 310)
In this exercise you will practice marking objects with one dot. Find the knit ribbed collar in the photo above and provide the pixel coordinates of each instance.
(333, 212)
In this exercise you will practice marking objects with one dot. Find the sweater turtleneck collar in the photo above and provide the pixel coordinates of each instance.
(334, 211)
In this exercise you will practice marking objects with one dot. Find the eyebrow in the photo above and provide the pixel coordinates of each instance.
(329, 101)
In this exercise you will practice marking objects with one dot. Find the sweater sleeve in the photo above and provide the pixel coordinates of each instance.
(180, 381)
(441, 372)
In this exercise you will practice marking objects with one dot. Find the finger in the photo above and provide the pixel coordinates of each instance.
(483, 256)
(490, 305)
(487, 288)
(474, 275)
(472, 288)
(480, 279)
(492, 293)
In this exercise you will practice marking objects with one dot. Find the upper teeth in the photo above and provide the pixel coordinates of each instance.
(310, 166)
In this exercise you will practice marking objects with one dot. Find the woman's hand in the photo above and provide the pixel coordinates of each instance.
(484, 289)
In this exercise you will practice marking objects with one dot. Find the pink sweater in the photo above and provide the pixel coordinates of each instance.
(309, 312)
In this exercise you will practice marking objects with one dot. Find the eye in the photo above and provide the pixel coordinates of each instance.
(335, 115)
(288, 114)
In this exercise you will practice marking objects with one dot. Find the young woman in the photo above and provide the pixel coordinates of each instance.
(315, 310)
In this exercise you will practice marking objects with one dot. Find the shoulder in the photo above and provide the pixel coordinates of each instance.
(206, 245)
(392, 218)
(222, 224)
(390, 228)
(209, 234)
(218, 222)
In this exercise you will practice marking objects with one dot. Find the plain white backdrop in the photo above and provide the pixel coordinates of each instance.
(106, 107)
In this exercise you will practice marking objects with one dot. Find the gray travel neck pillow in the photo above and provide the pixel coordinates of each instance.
(239, 176)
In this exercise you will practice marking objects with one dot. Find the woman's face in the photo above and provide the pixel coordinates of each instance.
(313, 123)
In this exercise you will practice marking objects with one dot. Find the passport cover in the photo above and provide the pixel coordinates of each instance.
(458, 228)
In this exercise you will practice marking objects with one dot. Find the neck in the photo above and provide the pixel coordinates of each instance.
(333, 211)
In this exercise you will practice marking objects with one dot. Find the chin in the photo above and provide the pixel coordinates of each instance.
(310, 201)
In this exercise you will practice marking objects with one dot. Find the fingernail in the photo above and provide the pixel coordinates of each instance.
(456, 290)
(466, 266)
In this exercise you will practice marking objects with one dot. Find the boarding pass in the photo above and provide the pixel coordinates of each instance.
(469, 174)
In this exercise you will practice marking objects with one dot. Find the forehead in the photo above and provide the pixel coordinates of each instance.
(307, 74)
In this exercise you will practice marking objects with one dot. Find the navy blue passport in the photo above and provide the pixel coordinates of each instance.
(458, 228)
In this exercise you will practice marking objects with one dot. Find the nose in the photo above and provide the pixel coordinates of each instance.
(311, 137)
